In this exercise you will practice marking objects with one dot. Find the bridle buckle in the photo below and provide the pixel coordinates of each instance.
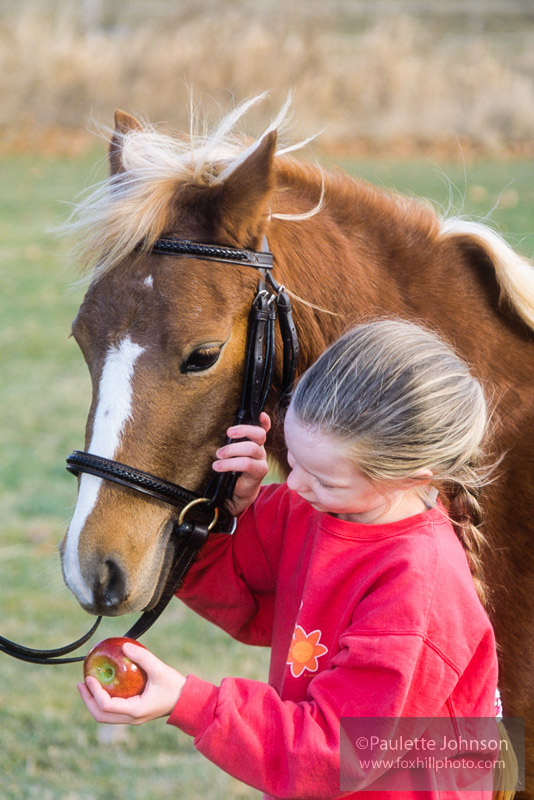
(194, 503)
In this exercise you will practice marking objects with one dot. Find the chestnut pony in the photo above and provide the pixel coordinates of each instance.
(164, 339)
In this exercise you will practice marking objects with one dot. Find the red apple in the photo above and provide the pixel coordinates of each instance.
(119, 676)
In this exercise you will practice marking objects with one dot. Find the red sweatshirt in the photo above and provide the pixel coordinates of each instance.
(362, 621)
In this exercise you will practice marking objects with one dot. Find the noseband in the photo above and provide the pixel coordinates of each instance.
(198, 513)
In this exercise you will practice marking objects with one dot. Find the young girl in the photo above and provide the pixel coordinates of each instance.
(368, 592)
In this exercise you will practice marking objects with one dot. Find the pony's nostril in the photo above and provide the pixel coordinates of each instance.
(110, 585)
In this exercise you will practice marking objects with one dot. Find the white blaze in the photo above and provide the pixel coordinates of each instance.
(113, 410)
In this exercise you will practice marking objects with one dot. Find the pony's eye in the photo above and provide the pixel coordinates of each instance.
(202, 358)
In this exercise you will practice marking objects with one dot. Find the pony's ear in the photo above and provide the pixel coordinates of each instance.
(123, 124)
(243, 198)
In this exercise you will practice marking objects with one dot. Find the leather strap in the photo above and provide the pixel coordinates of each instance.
(209, 252)
(32, 656)
(290, 342)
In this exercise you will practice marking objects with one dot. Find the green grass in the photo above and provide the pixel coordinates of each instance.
(49, 745)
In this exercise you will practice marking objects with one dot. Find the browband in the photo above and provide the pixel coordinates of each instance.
(214, 252)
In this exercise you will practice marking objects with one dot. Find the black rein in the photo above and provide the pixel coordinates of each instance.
(204, 511)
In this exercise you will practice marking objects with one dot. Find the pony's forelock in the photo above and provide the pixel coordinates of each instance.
(133, 206)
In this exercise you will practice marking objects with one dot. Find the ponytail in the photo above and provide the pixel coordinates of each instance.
(506, 770)
(465, 513)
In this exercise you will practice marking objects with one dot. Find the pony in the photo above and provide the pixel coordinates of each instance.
(164, 339)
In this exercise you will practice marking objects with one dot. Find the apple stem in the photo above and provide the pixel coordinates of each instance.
(107, 672)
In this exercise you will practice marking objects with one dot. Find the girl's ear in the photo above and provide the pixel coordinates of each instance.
(422, 477)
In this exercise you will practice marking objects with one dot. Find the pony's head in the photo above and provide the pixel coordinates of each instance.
(164, 339)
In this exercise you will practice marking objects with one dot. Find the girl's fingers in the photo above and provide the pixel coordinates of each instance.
(95, 708)
(143, 658)
(87, 697)
(240, 449)
(111, 705)
(255, 433)
(249, 444)
(245, 454)
(265, 421)
(247, 466)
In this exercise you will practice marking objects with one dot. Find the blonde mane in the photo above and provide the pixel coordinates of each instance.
(133, 206)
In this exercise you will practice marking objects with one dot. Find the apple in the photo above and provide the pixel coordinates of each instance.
(119, 676)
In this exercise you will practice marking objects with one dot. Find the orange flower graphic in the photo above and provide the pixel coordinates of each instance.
(304, 651)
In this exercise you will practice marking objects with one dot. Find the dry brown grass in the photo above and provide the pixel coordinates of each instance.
(369, 78)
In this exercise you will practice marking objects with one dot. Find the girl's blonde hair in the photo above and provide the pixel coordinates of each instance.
(400, 400)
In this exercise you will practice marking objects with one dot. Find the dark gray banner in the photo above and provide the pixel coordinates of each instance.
(432, 754)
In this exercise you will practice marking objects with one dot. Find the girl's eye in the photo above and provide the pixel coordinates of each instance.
(324, 485)
(202, 358)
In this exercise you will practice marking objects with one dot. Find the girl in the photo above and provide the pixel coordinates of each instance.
(368, 592)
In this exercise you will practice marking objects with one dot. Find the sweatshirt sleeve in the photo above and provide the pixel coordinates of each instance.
(232, 583)
(292, 749)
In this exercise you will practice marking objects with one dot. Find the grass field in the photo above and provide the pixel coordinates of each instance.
(50, 748)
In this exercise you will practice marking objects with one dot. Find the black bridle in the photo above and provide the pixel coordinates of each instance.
(198, 512)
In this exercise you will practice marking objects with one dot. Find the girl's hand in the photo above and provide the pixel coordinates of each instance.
(161, 693)
(247, 457)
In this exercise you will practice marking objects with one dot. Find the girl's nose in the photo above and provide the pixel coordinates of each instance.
(296, 480)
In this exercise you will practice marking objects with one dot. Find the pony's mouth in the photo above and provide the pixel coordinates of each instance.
(161, 589)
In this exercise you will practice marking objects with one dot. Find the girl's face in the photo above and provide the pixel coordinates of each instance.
(330, 482)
